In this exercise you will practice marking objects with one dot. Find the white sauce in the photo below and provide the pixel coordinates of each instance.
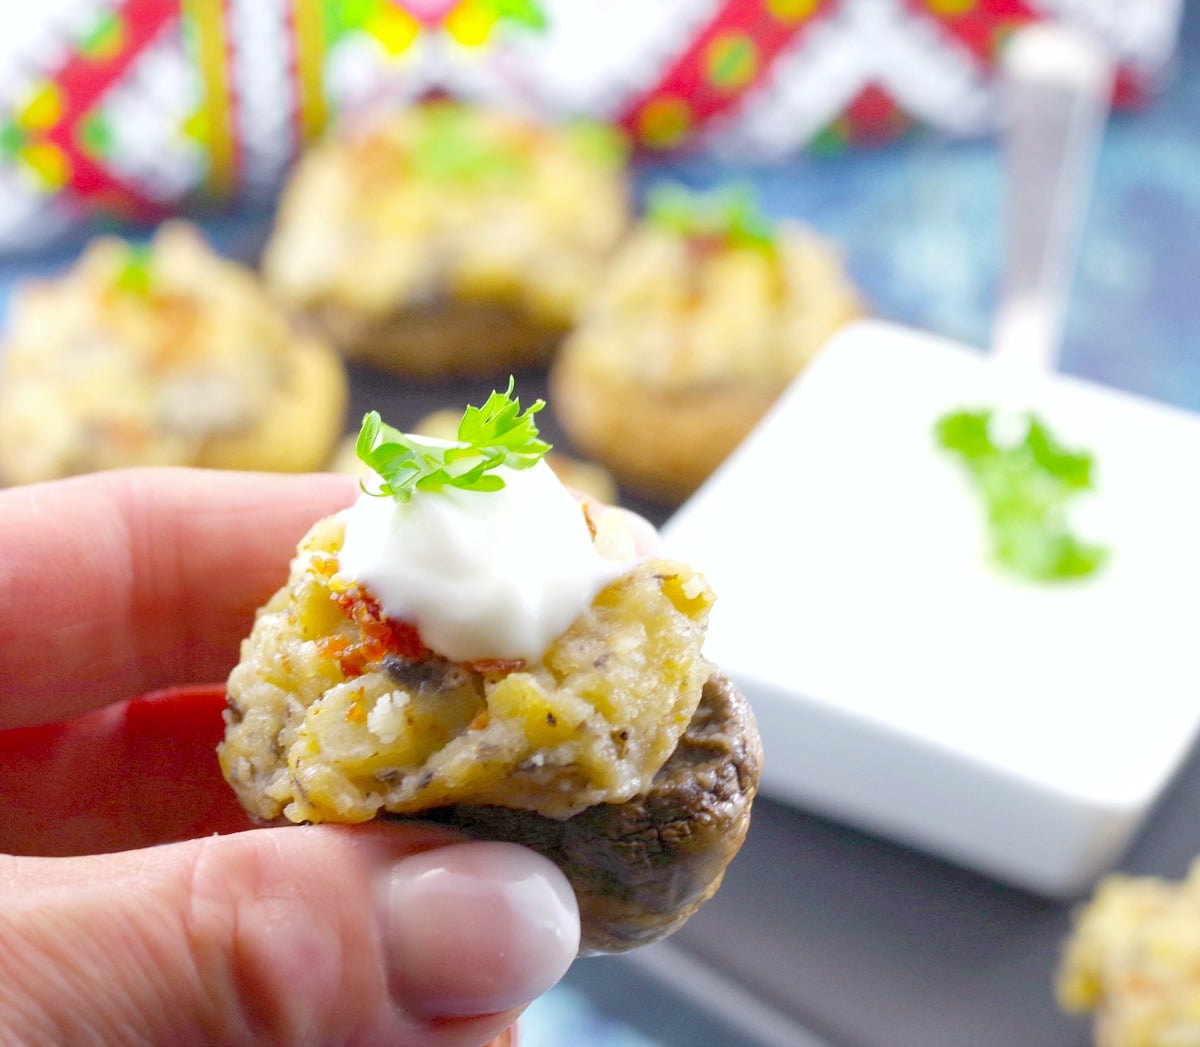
(497, 574)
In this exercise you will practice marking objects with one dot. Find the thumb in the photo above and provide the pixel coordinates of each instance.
(379, 934)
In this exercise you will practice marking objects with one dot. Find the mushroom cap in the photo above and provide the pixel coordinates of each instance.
(641, 868)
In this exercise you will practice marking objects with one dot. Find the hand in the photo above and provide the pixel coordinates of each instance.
(124, 583)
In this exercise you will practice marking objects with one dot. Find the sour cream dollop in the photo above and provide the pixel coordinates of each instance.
(482, 575)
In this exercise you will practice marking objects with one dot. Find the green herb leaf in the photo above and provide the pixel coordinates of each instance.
(136, 275)
(496, 434)
(730, 215)
(450, 146)
(600, 143)
(1025, 484)
(527, 13)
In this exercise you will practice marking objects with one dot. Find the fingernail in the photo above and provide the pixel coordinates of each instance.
(476, 928)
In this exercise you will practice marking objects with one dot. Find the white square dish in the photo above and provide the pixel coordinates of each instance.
(905, 684)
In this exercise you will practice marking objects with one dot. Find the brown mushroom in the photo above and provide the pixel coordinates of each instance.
(641, 868)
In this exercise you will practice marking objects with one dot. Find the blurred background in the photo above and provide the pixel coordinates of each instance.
(869, 121)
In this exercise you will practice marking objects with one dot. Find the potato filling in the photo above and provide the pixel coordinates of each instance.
(337, 713)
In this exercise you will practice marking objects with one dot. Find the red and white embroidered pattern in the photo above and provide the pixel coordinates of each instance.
(131, 107)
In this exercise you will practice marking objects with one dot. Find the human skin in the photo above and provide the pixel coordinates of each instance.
(137, 903)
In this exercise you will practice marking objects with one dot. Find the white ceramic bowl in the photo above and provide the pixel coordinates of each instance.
(905, 684)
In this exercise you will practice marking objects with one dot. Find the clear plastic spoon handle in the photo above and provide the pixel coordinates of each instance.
(1056, 88)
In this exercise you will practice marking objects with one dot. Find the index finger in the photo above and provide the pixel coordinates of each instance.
(115, 584)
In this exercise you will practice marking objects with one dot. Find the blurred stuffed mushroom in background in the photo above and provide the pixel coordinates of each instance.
(449, 238)
(705, 315)
(162, 354)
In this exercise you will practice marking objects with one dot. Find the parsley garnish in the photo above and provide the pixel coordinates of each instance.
(599, 143)
(730, 215)
(496, 434)
(1026, 485)
(451, 145)
(136, 275)
(527, 13)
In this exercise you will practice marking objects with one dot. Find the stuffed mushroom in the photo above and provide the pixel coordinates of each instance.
(163, 354)
(704, 316)
(469, 643)
(450, 238)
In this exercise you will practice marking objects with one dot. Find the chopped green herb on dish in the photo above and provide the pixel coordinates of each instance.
(730, 216)
(601, 143)
(1027, 480)
(496, 434)
(526, 13)
(136, 275)
(451, 146)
